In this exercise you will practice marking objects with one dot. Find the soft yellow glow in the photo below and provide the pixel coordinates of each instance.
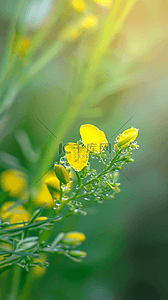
(78, 5)
(39, 271)
(89, 22)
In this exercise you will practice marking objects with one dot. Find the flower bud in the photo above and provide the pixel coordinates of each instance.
(127, 137)
(61, 174)
(74, 238)
(77, 253)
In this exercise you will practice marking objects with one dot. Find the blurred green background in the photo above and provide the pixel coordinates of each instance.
(127, 237)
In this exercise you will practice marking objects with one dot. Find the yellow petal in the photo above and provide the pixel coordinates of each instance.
(76, 155)
(93, 138)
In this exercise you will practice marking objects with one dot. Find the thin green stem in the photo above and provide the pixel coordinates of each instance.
(15, 283)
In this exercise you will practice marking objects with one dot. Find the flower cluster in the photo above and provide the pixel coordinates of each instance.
(20, 217)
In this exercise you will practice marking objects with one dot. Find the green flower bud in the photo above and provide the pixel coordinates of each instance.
(61, 174)
(127, 137)
(73, 238)
(77, 253)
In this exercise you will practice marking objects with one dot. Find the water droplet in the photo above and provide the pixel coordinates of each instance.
(100, 201)
(87, 198)
(48, 245)
(107, 194)
(47, 264)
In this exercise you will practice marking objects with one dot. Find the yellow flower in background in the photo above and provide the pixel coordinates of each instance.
(78, 5)
(127, 137)
(74, 237)
(44, 197)
(37, 270)
(24, 44)
(13, 212)
(90, 21)
(24, 216)
(9, 208)
(14, 182)
(70, 33)
(93, 138)
(50, 189)
(105, 3)
(76, 155)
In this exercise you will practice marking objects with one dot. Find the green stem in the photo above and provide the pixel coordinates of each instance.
(15, 283)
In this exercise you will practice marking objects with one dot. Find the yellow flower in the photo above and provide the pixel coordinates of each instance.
(78, 5)
(44, 197)
(14, 182)
(9, 208)
(93, 138)
(89, 21)
(74, 237)
(61, 174)
(37, 270)
(105, 3)
(127, 137)
(18, 218)
(49, 190)
(76, 155)
(23, 45)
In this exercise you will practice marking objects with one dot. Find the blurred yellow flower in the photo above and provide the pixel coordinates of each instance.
(14, 213)
(70, 33)
(9, 208)
(93, 138)
(18, 218)
(89, 21)
(50, 189)
(44, 197)
(23, 45)
(74, 237)
(14, 182)
(37, 270)
(105, 3)
(78, 5)
(127, 137)
(76, 155)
